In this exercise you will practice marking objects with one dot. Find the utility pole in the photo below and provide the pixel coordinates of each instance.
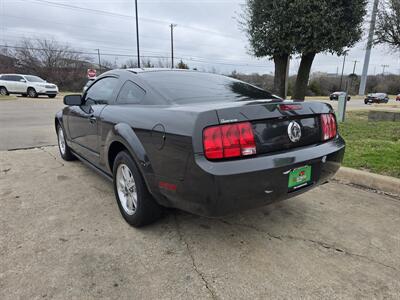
(172, 44)
(341, 76)
(384, 67)
(364, 75)
(355, 64)
(98, 55)
(137, 35)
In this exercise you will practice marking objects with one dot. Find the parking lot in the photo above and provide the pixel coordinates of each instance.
(62, 236)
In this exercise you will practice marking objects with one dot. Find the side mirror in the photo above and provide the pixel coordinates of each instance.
(22, 80)
(73, 100)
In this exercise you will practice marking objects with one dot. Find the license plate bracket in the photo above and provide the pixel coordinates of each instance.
(299, 177)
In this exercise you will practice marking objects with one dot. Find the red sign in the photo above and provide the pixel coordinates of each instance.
(91, 73)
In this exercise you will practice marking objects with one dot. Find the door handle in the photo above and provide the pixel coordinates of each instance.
(92, 119)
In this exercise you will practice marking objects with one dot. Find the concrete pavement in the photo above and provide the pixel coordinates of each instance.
(62, 237)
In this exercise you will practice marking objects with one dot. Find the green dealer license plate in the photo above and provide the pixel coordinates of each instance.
(299, 177)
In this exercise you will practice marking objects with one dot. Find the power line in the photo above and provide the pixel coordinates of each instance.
(146, 19)
(203, 61)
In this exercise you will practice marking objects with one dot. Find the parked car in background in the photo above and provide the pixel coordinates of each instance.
(26, 85)
(335, 96)
(89, 83)
(204, 143)
(398, 97)
(376, 98)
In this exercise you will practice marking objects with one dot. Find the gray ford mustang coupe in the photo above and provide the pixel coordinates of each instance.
(204, 143)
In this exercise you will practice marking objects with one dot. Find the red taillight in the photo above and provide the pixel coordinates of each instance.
(328, 123)
(226, 141)
(212, 141)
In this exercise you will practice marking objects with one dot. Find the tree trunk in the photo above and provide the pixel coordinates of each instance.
(303, 75)
(280, 74)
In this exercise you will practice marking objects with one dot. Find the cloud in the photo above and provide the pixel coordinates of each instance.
(207, 34)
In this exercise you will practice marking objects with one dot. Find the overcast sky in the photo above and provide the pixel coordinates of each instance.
(207, 33)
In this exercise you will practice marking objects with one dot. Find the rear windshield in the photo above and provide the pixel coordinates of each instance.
(193, 87)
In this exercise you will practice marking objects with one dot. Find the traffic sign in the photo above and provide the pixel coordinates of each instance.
(91, 73)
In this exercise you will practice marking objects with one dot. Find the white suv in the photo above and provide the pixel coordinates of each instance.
(26, 85)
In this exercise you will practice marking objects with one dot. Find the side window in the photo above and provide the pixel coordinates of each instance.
(101, 91)
(131, 93)
(7, 77)
(17, 78)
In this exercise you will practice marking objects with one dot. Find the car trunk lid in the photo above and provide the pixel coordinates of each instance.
(270, 122)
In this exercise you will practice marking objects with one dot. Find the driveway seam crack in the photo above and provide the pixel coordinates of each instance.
(194, 265)
(52, 155)
(314, 242)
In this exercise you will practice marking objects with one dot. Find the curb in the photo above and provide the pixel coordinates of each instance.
(369, 180)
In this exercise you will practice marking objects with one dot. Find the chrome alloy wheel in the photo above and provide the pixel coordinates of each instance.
(61, 140)
(126, 188)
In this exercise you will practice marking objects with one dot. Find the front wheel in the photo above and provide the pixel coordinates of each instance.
(65, 152)
(32, 93)
(52, 96)
(135, 203)
(3, 91)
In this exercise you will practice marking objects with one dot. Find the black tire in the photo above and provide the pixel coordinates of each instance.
(3, 91)
(24, 95)
(52, 96)
(32, 93)
(66, 154)
(147, 210)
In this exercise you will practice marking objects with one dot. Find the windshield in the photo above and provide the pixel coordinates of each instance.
(196, 87)
(34, 78)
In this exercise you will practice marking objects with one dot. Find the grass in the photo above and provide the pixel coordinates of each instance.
(371, 146)
(12, 97)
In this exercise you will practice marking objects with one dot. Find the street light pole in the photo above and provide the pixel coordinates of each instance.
(172, 44)
(137, 34)
(364, 75)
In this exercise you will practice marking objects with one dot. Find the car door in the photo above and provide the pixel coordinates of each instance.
(10, 83)
(83, 121)
(19, 84)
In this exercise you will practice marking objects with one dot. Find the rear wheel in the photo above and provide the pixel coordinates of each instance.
(32, 93)
(65, 152)
(52, 96)
(3, 91)
(135, 203)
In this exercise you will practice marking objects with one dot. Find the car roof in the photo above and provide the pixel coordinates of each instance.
(147, 70)
(13, 74)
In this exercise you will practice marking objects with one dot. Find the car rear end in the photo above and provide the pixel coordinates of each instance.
(258, 153)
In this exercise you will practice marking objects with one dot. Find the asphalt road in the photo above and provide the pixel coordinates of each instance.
(62, 237)
(28, 122)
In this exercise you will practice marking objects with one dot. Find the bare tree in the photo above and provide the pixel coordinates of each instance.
(53, 62)
(388, 24)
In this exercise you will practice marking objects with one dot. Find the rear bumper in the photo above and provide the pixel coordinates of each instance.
(221, 188)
